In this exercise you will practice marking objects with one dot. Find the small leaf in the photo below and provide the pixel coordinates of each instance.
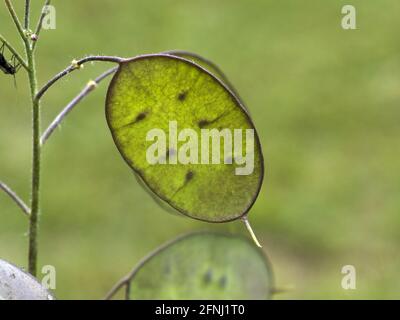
(204, 266)
(153, 91)
(16, 284)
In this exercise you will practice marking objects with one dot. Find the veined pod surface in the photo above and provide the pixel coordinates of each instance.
(186, 135)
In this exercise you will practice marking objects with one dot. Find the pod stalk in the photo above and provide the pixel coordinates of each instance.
(249, 228)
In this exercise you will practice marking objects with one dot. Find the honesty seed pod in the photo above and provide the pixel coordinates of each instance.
(203, 266)
(187, 136)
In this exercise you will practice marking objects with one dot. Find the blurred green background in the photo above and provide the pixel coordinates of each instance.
(326, 104)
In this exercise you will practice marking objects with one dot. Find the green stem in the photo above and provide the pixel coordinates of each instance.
(35, 204)
(35, 197)
(15, 18)
(27, 13)
(40, 22)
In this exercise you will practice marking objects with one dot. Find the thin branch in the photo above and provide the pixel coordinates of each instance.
(250, 229)
(20, 203)
(89, 88)
(14, 52)
(74, 66)
(40, 22)
(128, 290)
(15, 18)
(27, 14)
(129, 277)
(124, 281)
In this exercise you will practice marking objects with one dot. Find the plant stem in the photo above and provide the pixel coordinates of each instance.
(27, 13)
(75, 65)
(36, 156)
(15, 18)
(40, 22)
(85, 92)
(35, 205)
(250, 229)
(123, 282)
(20, 203)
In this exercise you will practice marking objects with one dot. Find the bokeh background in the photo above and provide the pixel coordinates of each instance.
(326, 102)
